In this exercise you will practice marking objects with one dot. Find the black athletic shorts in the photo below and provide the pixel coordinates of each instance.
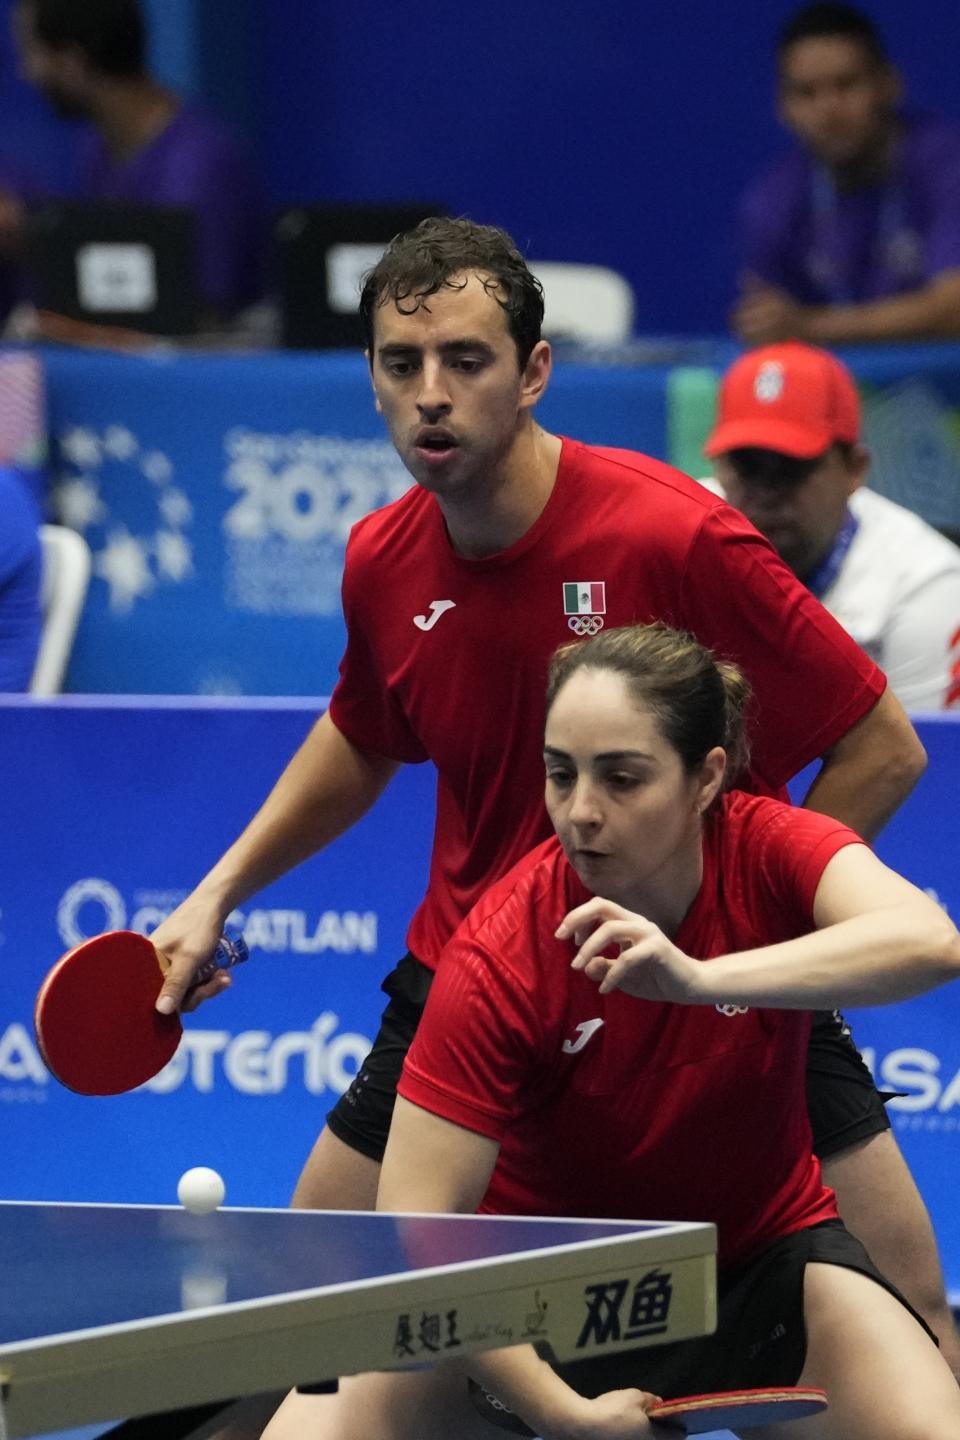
(842, 1100)
(361, 1117)
(760, 1339)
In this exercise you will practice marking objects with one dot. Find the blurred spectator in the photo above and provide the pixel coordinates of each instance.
(21, 575)
(788, 453)
(17, 188)
(23, 422)
(855, 235)
(88, 59)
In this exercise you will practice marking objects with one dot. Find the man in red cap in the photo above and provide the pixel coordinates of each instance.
(788, 453)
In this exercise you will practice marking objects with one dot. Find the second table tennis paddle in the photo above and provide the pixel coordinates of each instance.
(695, 1414)
(94, 1017)
(739, 1409)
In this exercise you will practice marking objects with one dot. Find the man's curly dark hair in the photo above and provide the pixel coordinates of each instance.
(435, 255)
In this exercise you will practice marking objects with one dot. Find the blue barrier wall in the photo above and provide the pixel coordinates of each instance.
(112, 810)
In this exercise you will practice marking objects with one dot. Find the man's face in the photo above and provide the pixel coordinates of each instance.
(449, 385)
(837, 99)
(57, 74)
(800, 518)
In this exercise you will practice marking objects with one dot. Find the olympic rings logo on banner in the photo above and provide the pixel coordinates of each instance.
(585, 624)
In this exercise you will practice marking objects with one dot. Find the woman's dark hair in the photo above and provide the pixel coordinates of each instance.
(698, 701)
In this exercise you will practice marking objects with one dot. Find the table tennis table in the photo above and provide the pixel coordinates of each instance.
(116, 1311)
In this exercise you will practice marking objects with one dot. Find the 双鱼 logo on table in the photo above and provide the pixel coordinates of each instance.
(620, 1310)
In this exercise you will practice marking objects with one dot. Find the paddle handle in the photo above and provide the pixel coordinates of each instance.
(231, 950)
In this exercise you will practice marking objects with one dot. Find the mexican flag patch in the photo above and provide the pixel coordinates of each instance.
(585, 597)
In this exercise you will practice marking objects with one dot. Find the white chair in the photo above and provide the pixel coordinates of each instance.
(66, 575)
(585, 302)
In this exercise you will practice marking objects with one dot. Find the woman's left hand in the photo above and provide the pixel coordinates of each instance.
(649, 965)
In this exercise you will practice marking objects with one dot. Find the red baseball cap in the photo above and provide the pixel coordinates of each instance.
(792, 398)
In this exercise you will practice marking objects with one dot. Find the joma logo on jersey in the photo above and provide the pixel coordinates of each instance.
(437, 608)
(585, 1030)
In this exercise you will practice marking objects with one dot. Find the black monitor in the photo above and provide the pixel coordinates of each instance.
(322, 252)
(115, 263)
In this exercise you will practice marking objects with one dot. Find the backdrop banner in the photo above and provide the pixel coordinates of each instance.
(217, 495)
(125, 807)
(217, 492)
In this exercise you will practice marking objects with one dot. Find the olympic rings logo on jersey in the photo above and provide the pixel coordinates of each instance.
(585, 624)
(731, 1010)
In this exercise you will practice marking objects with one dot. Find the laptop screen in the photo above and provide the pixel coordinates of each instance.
(115, 263)
(322, 253)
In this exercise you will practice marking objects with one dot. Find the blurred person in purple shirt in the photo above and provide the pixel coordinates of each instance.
(18, 187)
(147, 145)
(855, 235)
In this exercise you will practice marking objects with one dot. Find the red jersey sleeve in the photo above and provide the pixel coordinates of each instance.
(478, 1041)
(363, 706)
(791, 848)
(811, 682)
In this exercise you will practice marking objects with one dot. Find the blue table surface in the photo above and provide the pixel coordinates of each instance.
(81, 1267)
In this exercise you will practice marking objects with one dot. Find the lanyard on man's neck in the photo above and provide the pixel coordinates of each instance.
(822, 578)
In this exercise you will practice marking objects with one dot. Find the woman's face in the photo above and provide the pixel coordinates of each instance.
(625, 810)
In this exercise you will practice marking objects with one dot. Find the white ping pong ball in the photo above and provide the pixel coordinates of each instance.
(200, 1190)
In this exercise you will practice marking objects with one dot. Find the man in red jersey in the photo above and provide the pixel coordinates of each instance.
(456, 595)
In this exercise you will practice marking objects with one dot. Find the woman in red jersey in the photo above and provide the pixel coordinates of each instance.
(577, 1056)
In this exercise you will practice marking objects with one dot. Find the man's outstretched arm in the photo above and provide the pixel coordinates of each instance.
(327, 786)
(870, 771)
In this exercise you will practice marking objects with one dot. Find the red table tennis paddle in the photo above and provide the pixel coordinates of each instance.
(739, 1409)
(95, 1021)
(694, 1414)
